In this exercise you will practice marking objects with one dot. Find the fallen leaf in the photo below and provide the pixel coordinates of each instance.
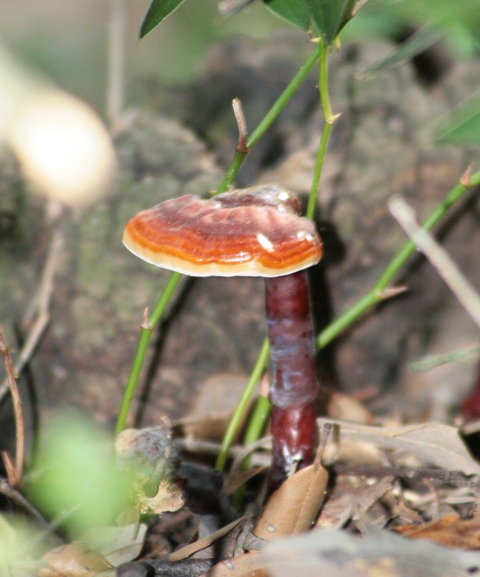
(249, 565)
(71, 560)
(450, 531)
(169, 498)
(117, 545)
(294, 507)
(341, 406)
(347, 499)
(435, 443)
(348, 450)
(213, 408)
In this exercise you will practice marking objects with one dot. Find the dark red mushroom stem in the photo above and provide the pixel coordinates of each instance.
(294, 392)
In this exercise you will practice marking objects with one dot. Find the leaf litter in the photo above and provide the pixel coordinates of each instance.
(387, 500)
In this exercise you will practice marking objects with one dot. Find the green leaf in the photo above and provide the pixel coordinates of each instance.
(157, 12)
(77, 474)
(292, 11)
(330, 16)
(463, 127)
(437, 12)
(421, 40)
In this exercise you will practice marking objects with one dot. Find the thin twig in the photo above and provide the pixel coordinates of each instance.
(255, 459)
(17, 409)
(236, 452)
(9, 467)
(452, 478)
(438, 257)
(242, 126)
(116, 60)
(11, 493)
(42, 304)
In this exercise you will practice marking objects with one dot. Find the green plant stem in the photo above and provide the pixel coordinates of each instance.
(284, 98)
(260, 416)
(268, 119)
(329, 120)
(142, 348)
(242, 405)
(255, 429)
(377, 294)
(232, 172)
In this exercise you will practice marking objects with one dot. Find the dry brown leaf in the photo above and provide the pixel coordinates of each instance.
(169, 498)
(348, 498)
(71, 561)
(249, 565)
(341, 406)
(188, 550)
(117, 545)
(348, 450)
(213, 407)
(294, 507)
(450, 531)
(435, 443)
(149, 457)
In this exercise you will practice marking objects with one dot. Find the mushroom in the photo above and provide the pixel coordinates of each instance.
(252, 232)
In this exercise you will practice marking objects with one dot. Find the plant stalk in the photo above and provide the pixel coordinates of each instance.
(237, 416)
(268, 119)
(142, 348)
(329, 120)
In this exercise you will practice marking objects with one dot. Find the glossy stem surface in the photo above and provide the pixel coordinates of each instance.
(294, 390)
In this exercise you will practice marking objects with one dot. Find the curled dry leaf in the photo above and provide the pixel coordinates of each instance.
(434, 443)
(148, 454)
(294, 507)
(169, 498)
(71, 560)
(149, 457)
(117, 545)
(348, 499)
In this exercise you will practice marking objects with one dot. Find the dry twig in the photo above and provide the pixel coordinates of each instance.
(16, 474)
(438, 257)
(19, 500)
(42, 305)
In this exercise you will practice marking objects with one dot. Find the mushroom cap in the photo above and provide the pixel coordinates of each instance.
(250, 232)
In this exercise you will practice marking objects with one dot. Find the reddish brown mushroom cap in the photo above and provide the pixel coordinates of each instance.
(250, 232)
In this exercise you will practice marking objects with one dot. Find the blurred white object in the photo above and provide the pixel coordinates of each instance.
(64, 149)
